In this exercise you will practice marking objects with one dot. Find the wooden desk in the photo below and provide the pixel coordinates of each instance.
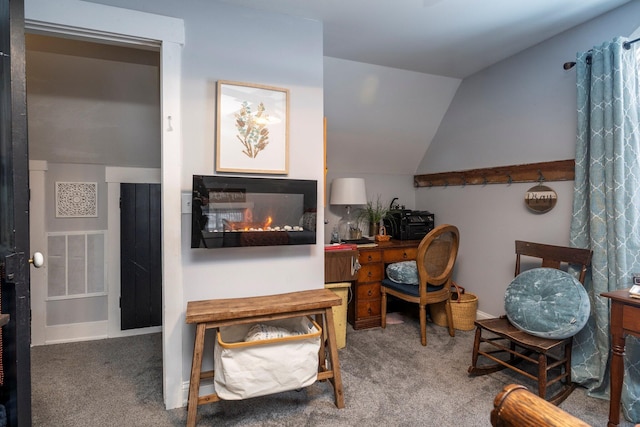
(625, 320)
(210, 314)
(364, 308)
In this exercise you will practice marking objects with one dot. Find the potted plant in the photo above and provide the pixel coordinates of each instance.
(373, 214)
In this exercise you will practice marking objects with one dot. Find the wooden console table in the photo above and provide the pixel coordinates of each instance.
(625, 320)
(208, 314)
(364, 308)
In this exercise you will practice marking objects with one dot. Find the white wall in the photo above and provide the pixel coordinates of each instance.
(380, 122)
(521, 110)
(229, 43)
(92, 103)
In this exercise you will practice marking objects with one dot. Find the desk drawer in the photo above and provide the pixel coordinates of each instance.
(371, 273)
(400, 254)
(338, 266)
(367, 257)
(368, 291)
(368, 308)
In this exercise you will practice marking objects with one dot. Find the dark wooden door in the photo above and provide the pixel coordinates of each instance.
(15, 374)
(140, 256)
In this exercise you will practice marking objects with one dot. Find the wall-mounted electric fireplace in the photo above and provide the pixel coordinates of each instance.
(229, 211)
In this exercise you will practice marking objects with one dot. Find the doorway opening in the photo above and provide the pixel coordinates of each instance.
(93, 107)
(106, 24)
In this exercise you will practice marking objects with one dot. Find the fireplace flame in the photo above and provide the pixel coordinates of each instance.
(248, 225)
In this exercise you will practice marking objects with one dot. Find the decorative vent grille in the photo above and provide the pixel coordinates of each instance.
(76, 199)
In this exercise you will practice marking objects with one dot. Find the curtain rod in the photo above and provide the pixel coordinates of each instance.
(626, 45)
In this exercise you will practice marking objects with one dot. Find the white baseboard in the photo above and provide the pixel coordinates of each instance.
(75, 332)
(138, 331)
(89, 331)
(206, 388)
(482, 315)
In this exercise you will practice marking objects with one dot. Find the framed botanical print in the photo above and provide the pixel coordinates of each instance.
(252, 128)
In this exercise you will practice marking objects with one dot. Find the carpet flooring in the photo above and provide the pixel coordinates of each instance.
(388, 377)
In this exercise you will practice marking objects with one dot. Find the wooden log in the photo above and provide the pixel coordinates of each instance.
(515, 406)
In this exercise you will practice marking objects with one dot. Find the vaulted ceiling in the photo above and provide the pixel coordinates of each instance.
(453, 38)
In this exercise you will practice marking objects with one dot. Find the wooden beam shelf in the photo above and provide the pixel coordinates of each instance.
(560, 170)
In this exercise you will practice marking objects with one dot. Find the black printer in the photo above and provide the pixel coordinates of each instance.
(406, 224)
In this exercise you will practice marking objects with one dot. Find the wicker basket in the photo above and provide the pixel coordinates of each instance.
(464, 306)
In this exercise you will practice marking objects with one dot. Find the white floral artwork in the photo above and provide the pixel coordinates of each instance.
(252, 128)
(76, 199)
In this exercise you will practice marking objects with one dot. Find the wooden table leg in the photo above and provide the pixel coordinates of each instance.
(322, 356)
(196, 369)
(333, 359)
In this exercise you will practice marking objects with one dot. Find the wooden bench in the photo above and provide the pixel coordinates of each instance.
(212, 314)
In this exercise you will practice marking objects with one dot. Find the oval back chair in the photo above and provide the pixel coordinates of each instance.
(435, 260)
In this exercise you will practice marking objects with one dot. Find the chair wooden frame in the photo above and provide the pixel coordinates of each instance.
(425, 278)
(551, 357)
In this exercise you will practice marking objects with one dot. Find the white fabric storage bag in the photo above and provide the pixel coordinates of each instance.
(256, 368)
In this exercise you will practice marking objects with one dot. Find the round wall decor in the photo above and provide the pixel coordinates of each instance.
(540, 198)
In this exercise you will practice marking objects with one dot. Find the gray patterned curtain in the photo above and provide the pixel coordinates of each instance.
(606, 207)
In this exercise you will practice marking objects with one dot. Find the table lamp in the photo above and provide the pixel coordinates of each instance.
(348, 192)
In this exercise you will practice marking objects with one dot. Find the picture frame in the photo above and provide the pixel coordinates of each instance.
(252, 128)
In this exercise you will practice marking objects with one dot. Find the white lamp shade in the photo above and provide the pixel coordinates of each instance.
(348, 191)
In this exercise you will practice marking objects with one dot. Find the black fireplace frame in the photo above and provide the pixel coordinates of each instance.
(222, 210)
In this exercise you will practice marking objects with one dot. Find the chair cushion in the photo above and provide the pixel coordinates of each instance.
(548, 303)
(403, 272)
(409, 289)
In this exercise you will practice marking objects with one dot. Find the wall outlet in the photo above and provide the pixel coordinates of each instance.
(187, 199)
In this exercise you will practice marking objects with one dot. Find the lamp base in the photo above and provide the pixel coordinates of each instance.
(348, 230)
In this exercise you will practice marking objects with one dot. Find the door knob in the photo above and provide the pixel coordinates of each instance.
(37, 260)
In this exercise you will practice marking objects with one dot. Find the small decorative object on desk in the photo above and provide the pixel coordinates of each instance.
(373, 214)
(383, 236)
(355, 233)
(634, 292)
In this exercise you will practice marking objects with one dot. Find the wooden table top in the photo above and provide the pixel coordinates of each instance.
(622, 295)
(236, 308)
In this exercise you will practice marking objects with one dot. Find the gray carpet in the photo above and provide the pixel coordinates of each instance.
(388, 377)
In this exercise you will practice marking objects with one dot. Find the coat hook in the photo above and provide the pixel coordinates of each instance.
(484, 180)
(509, 179)
(430, 184)
(446, 183)
(464, 181)
(540, 177)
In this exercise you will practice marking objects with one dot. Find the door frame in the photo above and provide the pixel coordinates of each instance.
(107, 24)
(14, 250)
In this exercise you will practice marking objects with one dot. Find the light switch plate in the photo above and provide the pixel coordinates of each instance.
(187, 199)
